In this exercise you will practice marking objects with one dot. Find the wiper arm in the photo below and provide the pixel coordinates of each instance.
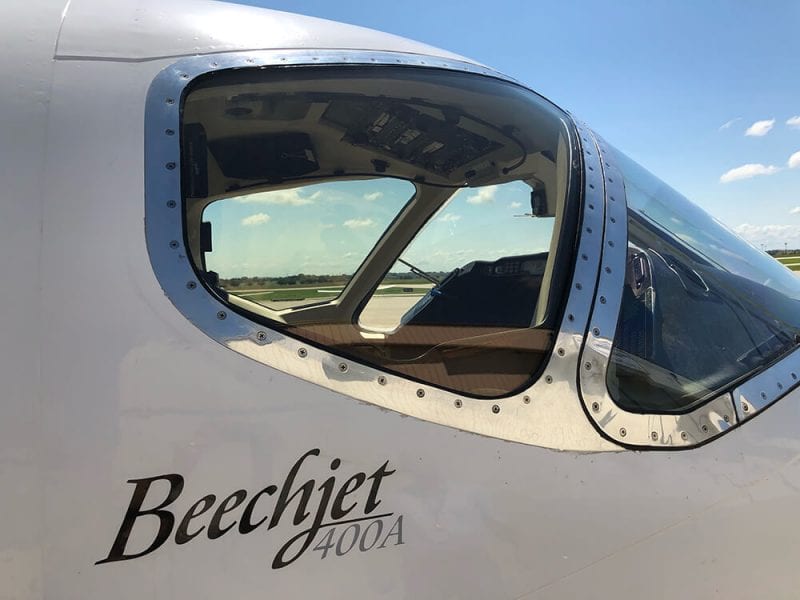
(420, 272)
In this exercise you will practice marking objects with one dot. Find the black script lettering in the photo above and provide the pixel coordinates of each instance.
(337, 510)
(214, 530)
(327, 489)
(377, 476)
(182, 534)
(307, 489)
(396, 530)
(245, 523)
(166, 520)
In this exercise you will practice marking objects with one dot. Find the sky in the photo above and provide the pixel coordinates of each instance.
(705, 94)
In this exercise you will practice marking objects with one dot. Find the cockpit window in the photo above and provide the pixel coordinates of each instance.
(413, 219)
(701, 308)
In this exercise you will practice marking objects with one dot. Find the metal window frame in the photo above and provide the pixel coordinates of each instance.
(548, 413)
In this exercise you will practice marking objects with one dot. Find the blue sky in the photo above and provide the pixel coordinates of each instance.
(658, 79)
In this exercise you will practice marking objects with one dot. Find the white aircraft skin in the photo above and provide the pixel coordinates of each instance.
(109, 388)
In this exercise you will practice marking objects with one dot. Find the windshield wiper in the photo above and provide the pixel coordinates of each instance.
(420, 272)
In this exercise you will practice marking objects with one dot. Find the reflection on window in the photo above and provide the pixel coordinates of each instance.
(413, 219)
(299, 246)
(701, 308)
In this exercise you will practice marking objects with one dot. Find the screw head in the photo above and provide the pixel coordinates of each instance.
(169, 131)
(457, 403)
(548, 379)
(684, 436)
(495, 409)
(595, 332)
(654, 436)
(381, 380)
(170, 101)
(170, 166)
(763, 395)
(560, 352)
(595, 406)
(587, 366)
(623, 432)
(222, 315)
(191, 285)
(745, 407)
(174, 244)
(261, 336)
(704, 428)
(343, 367)
(526, 399)
(302, 352)
(171, 204)
(420, 393)
(602, 299)
(726, 418)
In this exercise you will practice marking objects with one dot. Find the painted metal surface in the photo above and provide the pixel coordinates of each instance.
(105, 381)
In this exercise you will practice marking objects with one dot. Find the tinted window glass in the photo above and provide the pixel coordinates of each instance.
(413, 219)
(701, 308)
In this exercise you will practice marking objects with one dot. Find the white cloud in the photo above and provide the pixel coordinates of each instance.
(358, 223)
(795, 211)
(794, 122)
(449, 218)
(485, 195)
(760, 128)
(794, 160)
(287, 197)
(747, 171)
(256, 219)
(372, 196)
(516, 205)
(729, 123)
(771, 236)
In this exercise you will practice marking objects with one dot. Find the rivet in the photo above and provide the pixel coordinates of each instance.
(302, 352)
(584, 257)
(654, 435)
(458, 403)
(763, 395)
(726, 418)
(174, 244)
(591, 168)
(591, 187)
(596, 331)
(570, 318)
(578, 286)
(780, 385)
(170, 101)
(612, 198)
(602, 299)
(169, 131)
(214, 64)
(613, 220)
(608, 269)
(622, 432)
(588, 230)
(610, 180)
(548, 379)
(261, 336)
(343, 367)
(611, 243)
(560, 352)
(495, 409)
(587, 366)
(420, 393)
(222, 315)
(171, 204)
(591, 207)
(684, 436)
(191, 285)
(184, 76)
(170, 166)
(381, 380)
(595, 406)
(526, 399)
(794, 376)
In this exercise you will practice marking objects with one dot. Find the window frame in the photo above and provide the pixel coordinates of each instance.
(548, 413)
